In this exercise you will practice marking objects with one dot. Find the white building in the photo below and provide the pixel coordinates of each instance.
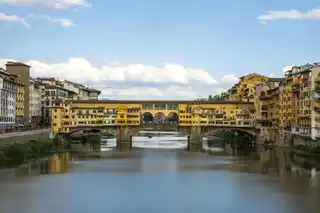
(8, 91)
(34, 103)
(83, 92)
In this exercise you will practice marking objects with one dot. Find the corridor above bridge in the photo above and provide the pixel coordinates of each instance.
(99, 113)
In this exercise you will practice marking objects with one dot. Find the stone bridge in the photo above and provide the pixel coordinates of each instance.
(195, 134)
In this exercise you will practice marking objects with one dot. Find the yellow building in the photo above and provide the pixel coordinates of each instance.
(290, 104)
(20, 104)
(245, 89)
(73, 114)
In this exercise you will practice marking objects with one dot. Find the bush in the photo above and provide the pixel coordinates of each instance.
(19, 152)
(93, 138)
(106, 134)
(268, 142)
(309, 149)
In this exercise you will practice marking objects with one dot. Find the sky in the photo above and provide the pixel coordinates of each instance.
(159, 49)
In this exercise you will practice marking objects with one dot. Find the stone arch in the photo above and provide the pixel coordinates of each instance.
(213, 131)
(147, 117)
(159, 117)
(80, 130)
(173, 117)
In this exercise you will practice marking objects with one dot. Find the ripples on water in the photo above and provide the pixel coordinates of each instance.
(158, 176)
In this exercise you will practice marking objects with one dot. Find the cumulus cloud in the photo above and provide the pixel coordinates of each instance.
(230, 79)
(81, 70)
(65, 23)
(134, 81)
(287, 68)
(313, 14)
(14, 18)
(54, 4)
(170, 92)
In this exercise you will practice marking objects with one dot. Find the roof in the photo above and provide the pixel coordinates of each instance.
(61, 88)
(251, 74)
(272, 89)
(46, 78)
(10, 77)
(275, 79)
(94, 90)
(11, 63)
(74, 83)
(154, 102)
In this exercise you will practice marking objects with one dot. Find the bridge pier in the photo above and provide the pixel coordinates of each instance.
(195, 139)
(124, 137)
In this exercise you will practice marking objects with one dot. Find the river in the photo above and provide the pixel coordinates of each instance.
(159, 176)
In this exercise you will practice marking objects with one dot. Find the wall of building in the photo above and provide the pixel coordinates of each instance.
(23, 73)
(34, 104)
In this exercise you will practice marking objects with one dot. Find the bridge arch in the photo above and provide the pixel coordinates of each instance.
(159, 117)
(147, 117)
(214, 131)
(173, 117)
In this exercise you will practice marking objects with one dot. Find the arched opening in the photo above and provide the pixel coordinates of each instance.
(159, 118)
(147, 117)
(262, 93)
(173, 117)
(235, 139)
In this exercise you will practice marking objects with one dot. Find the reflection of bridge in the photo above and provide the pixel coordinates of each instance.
(124, 118)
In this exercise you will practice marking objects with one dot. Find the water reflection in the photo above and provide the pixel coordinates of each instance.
(55, 164)
(165, 180)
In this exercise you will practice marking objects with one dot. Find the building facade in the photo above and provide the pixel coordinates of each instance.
(22, 71)
(9, 89)
(291, 105)
(34, 103)
(245, 89)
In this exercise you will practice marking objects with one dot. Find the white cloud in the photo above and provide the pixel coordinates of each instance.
(287, 68)
(133, 81)
(14, 18)
(230, 79)
(171, 92)
(81, 70)
(313, 14)
(55, 4)
(65, 23)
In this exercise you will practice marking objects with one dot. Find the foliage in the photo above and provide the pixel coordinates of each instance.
(219, 97)
(268, 142)
(93, 138)
(308, 149)
(223, 96)
(107, 134)
(17, 153)
(225, 135)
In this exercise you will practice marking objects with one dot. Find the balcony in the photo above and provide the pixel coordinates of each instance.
(316, 98)
(304, 80)
(243, 112)
(296, 88)
(317, 79)
(304, 116)
(265, 97)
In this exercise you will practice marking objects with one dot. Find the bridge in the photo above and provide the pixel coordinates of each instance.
(125, 118)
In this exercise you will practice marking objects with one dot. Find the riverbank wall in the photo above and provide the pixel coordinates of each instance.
(23, 138)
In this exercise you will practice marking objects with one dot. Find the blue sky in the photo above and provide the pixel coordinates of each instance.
(208, 36)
